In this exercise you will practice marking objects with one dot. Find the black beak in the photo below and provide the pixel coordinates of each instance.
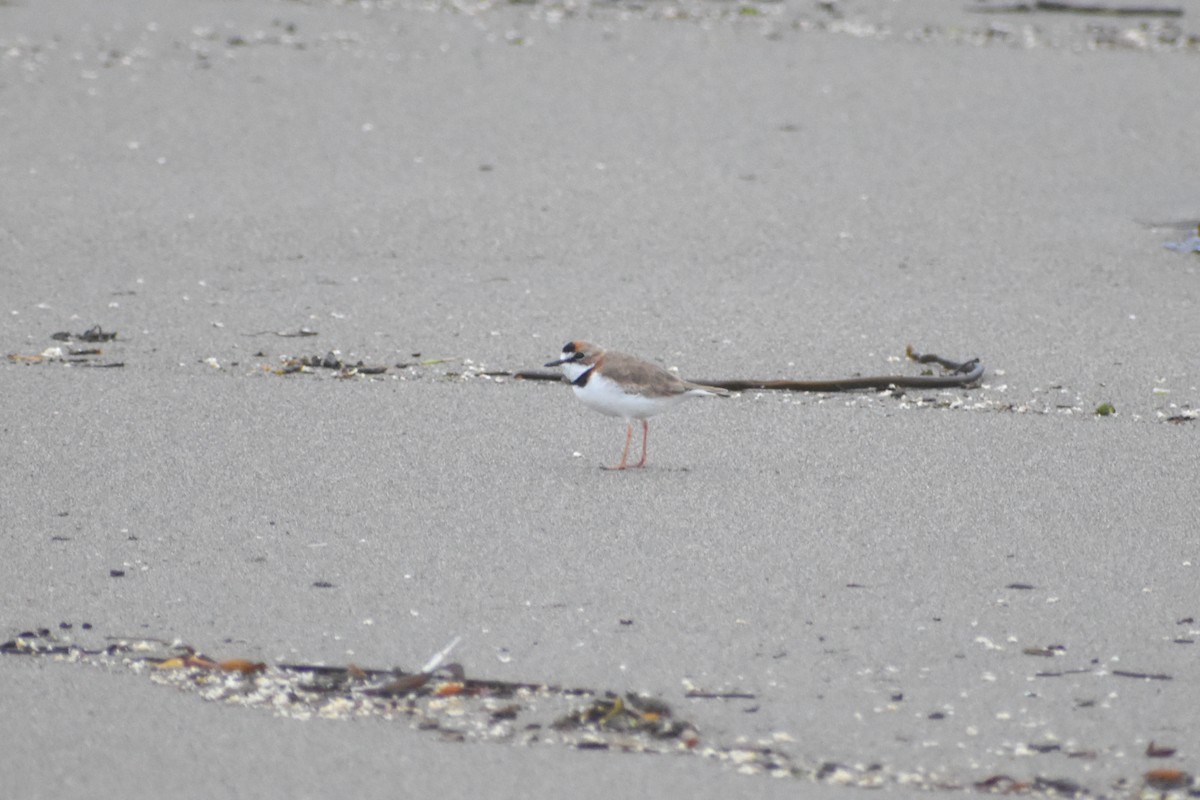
(563, 360)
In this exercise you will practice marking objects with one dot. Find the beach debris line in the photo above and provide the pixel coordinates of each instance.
(331, 361)
(442, 698)
(190, 659)
(438, 697)
(408, 683)
(92, 334)
(72, 356)
(1156, 780)
(1003, 784)
(628, 713)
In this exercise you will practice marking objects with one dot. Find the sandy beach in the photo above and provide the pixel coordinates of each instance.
(991, 586)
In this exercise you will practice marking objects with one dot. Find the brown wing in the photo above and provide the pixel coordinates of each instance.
(641, 376)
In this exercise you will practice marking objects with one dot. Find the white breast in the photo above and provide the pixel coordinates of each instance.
(608, 397)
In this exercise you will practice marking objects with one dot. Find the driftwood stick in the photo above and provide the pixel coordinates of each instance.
(961, 374)
(1087, 9)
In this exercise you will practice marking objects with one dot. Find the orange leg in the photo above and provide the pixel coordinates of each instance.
(625, 452)
(645, 438)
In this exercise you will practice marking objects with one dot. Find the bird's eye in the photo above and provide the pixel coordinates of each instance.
(578, 355)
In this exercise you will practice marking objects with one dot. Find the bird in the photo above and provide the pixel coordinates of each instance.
(625, 386)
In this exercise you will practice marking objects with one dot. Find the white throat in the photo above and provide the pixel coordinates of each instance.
(573, 369)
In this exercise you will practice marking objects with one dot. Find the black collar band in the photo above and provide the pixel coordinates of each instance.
(584, 377)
